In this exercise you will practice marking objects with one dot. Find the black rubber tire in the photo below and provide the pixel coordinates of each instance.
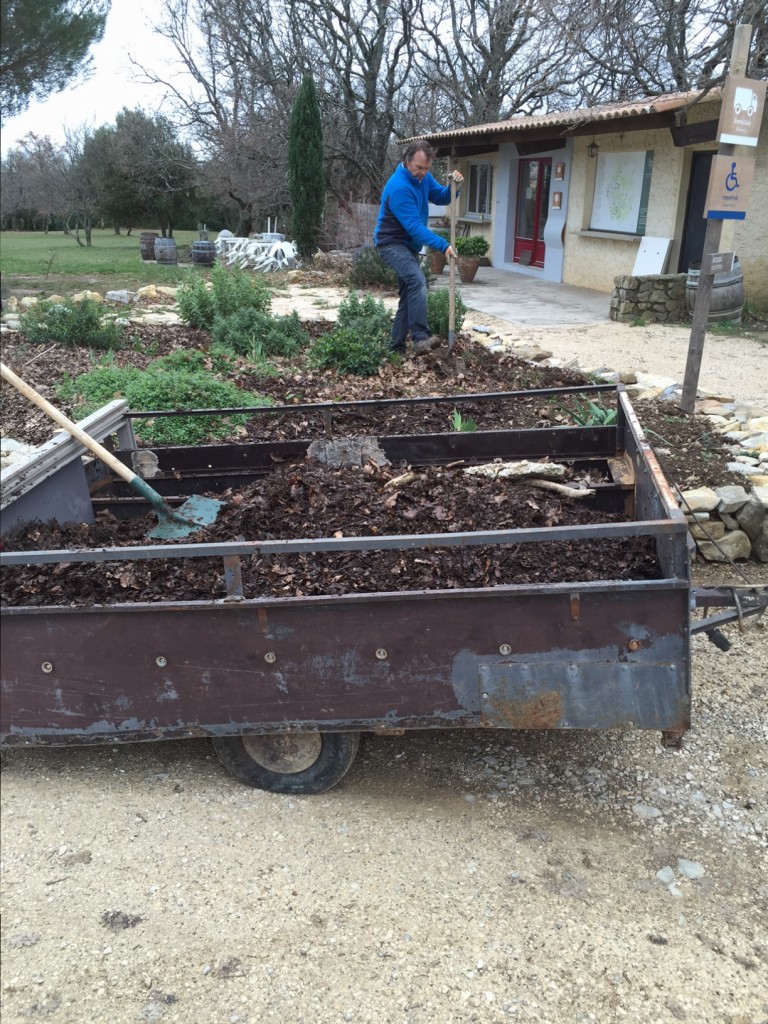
(335, 753)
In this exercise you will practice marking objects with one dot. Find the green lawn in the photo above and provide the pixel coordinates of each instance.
(33, 261)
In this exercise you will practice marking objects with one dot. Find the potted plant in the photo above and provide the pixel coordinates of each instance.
(470, 250)
(438, 259)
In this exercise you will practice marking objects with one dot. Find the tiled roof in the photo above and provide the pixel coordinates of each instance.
(570, 118)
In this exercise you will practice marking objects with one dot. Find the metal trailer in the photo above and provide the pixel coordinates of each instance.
(284, 686)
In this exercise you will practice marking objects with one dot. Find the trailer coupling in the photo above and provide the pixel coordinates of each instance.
(740, 603)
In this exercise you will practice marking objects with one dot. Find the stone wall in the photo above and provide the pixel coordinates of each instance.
(728, 523)
(657, 299)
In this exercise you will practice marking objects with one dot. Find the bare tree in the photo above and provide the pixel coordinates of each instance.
(246, 59)
(631, 48)
(235, 97)
(365, 49)
(487, 60)
(41, 177)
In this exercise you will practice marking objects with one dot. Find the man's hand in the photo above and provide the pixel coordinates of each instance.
(451, 252)
(456, 176)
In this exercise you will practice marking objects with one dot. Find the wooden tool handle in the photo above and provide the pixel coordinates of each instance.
(452, 271)
(71, 428)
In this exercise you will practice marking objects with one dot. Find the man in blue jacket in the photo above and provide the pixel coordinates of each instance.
(401, 231)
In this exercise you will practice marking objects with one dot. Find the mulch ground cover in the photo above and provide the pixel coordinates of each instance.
(312, 500)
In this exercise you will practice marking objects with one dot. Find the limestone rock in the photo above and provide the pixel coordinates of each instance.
(732, 497)
(701, 499)
(163, 289)
(735, 545)
(751, 517)
(760, 544)
(91, 296)
(121, 295)
(713, 530)
(148, 291)
(157, 318)
(28, 301)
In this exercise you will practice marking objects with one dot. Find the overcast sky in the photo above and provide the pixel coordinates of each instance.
(110, 88)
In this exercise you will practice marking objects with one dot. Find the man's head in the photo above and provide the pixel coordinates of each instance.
(418, 159)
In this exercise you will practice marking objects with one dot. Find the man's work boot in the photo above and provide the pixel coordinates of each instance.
(424, 345)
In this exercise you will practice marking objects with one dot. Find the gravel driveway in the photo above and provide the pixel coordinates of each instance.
(464, 876)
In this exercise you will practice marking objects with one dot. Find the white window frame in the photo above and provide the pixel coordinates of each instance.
(478, 214)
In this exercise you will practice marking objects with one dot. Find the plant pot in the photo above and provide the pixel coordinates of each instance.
(468, 268)
(437, 261)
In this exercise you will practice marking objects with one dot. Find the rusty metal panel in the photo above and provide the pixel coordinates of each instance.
(508, 657)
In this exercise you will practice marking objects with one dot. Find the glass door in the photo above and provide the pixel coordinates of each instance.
(532, 208)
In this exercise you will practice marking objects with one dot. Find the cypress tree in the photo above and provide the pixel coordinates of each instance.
(306, 175)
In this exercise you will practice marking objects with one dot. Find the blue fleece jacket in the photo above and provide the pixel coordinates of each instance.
(405, 209)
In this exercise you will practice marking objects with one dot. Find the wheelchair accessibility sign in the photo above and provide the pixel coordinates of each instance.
(730, 182)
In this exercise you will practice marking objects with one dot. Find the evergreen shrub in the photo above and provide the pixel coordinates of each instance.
(71, 323)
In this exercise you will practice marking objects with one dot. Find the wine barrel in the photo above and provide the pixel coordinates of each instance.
(727, 301)
(147, 244)
(165, 251)
(203, 253)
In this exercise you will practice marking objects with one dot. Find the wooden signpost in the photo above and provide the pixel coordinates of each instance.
(730, 179)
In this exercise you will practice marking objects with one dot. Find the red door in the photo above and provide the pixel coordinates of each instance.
(532, 208)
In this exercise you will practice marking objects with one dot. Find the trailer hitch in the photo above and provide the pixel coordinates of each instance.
(740, 602)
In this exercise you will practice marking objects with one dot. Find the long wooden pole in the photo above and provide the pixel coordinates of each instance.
(452, 272)
(739, 55)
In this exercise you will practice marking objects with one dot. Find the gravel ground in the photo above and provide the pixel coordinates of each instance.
(462, 876)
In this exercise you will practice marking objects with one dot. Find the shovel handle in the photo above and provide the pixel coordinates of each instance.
(71, 428)
(452, 273)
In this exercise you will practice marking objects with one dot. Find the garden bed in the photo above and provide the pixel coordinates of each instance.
(310, 500)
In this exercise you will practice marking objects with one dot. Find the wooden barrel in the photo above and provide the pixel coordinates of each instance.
(203, 253)
(727, 301)
(165, 251)
(147, 244)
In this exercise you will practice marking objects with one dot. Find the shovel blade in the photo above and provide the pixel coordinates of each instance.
(196, 512)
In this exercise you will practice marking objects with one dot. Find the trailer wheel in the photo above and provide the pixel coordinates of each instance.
(300, 762)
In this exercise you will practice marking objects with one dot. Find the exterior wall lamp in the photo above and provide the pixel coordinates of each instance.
(592, 149)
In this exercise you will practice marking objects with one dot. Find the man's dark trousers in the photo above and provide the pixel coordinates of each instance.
(412, 309)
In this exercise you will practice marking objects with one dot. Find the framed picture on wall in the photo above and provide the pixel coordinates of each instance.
(557, 200)
(559, 171)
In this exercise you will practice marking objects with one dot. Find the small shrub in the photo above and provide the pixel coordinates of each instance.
(473, 246)
(366, 315)
(347, 351)
(438, 307)
(232, 291)
(165, 384)
(196, 303)
(71, 323)
(250, 332)
(370, 271)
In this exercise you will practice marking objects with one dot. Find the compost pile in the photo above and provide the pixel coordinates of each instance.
(312, 500)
